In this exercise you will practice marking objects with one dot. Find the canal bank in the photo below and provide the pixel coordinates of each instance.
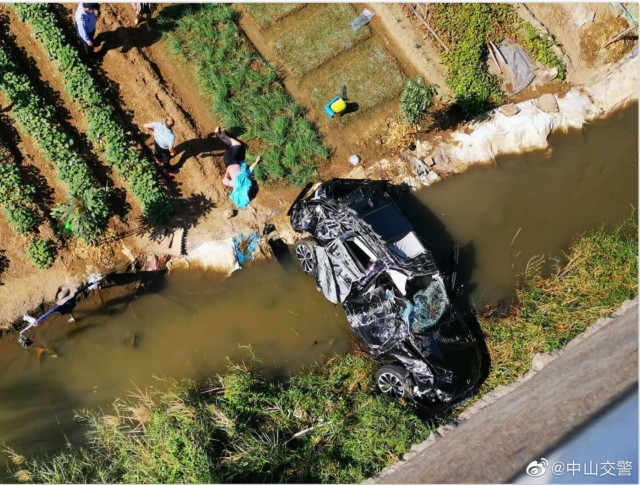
(187, 325)
(325, 423)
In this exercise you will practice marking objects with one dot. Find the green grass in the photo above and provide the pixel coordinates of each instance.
(600, 272)
(327, 32)
(266, 14)
(246, 430)
(244, 90)
(370, 74)
(467, 28)
(245, 427)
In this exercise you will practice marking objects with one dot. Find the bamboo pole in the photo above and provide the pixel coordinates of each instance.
(619, 36)
(426, 24)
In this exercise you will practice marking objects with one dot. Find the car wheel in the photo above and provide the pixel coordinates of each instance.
(394, 381)
(306, 255)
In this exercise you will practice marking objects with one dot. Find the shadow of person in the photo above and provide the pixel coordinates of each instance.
(125, 39)
(205, 146)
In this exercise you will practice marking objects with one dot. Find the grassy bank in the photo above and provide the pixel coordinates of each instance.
(327, 424)
(467, 28)
(244, 90)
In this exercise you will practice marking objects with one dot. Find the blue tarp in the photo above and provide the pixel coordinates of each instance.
(244, 245)
(241, 187)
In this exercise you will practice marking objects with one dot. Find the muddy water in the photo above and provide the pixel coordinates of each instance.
(534, 204)
(186, 328)
(193, 322)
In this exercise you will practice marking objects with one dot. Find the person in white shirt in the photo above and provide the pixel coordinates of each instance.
(163, 141)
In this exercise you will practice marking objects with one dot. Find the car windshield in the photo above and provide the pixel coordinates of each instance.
(426, 307)
(387, 221)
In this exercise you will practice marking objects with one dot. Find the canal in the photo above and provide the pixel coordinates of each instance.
(191, 323)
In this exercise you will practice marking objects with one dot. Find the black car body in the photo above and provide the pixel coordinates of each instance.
(365, 255)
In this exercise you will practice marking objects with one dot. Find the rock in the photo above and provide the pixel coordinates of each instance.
(548, 103)
(544, 76)
(509, 109)
(423, 148)
(581, 14)
(228, 214)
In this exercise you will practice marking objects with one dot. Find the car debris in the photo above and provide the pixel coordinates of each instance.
(366, 256)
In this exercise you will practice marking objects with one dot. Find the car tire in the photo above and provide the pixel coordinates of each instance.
(305, 253)
(394, 381)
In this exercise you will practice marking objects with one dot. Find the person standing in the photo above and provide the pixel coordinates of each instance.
(163, 141)
(86, 25)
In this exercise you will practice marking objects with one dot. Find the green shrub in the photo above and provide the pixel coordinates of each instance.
(42, 253)
(416, 100)
(80, 216)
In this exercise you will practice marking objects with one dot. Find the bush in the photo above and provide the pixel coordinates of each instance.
(41, 253)
(81, 215)
(416, 100)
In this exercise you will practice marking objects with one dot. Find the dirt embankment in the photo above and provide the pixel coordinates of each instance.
(148, 84)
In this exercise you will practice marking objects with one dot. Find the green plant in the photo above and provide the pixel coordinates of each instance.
(37, 119)
(466, 29)
(16, 197)
(42, 253)
(325, 424)
(80, 216)
(416, 100)
(244, 90)
(104, 128)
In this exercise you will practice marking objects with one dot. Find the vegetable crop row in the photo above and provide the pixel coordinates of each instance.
(18, 203)
(37, 119)
(245, 91)
(105, 131)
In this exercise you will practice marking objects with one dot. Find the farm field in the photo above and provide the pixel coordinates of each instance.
(318, 52)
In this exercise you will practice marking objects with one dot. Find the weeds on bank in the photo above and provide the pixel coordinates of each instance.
(244, 90)
(600, 272)
(467, 28)
(327, 424)
(324, 425)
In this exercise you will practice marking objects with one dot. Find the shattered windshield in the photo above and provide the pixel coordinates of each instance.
(427, 307)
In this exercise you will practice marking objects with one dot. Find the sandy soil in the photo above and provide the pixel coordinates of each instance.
(582, 29)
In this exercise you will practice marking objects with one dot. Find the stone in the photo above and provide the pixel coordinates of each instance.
(228, 214)
(548, 103)
(509, 109)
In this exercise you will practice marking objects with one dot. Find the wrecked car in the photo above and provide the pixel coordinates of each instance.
(365, 255)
